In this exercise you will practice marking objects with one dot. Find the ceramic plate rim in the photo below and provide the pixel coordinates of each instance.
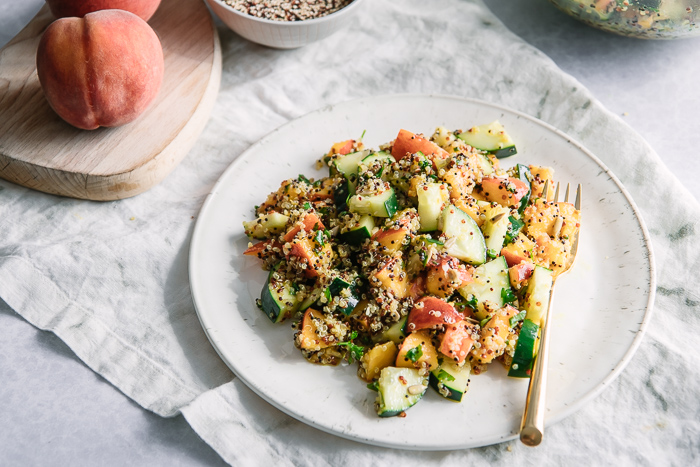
(570, 409)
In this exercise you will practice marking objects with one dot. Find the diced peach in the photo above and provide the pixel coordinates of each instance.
(304, 250)
(520, 250)
(540, 218)
(260, 248)
(417, 339)
(431, 312)
(310, 222)
(417, 289)
(520, 272)
(446, 274)
(289, 190)
(377, 358)
(342, 147)
(392, 277)
(461, 181)
(407, 143)
(362, 320)
(506, 192)
(391, 240)
(324, 190)
(308, 337)
(457, 341)
(540, 176)
(551, 254)
(493, 335)
(571, 221)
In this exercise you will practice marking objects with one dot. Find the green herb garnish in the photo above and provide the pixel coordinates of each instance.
(507, 295)
(415, 353)
(514, 229)
(516, 319)
(435, 242)
(445, 376)
(355, 352)
(320, 238)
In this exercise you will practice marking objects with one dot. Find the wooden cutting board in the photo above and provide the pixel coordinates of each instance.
(40, 151)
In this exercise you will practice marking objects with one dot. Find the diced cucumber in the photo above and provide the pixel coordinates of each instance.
(539, 287)
(489, 281)
(342, 195)
(311, 298)
(491, 138)
(525, 176)
(399, 390)
(380, 156)
(440, 162)
(451, 381)
(516, 225)
(348, 165)
(524, 355)
(442, 137)
(485, 164)
(431, 201)
(395, 333)
(346, 290)
(382, 205)
(465, 240)
(495, 228)
(360, 232)
(278, 297)
(266, 224)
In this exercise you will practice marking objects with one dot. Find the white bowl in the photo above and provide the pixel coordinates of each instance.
(282, 34)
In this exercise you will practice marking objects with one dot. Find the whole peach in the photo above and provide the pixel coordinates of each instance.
(101, 70)
(80, 8)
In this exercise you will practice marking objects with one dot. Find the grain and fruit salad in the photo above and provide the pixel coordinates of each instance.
(424, 260)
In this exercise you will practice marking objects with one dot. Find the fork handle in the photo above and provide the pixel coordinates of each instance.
(532, 425)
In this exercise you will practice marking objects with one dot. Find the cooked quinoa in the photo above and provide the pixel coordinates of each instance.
(288, 10)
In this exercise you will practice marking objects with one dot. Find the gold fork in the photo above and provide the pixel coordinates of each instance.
(532, 425)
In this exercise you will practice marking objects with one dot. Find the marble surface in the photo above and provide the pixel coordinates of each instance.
(55, 410)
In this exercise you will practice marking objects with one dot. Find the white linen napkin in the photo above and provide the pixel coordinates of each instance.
(110, 279)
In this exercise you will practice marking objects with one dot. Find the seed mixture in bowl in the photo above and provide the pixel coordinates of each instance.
(423, 261)
(288, 10)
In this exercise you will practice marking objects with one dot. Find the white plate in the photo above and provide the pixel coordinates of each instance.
(601, 307)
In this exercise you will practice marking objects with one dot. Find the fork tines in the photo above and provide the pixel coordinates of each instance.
(577, 203)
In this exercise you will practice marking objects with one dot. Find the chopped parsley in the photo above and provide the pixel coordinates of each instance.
(507, 295)
(355, 352)
(516, 319)
(415, 353)
(472, 302)
(445, 376)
